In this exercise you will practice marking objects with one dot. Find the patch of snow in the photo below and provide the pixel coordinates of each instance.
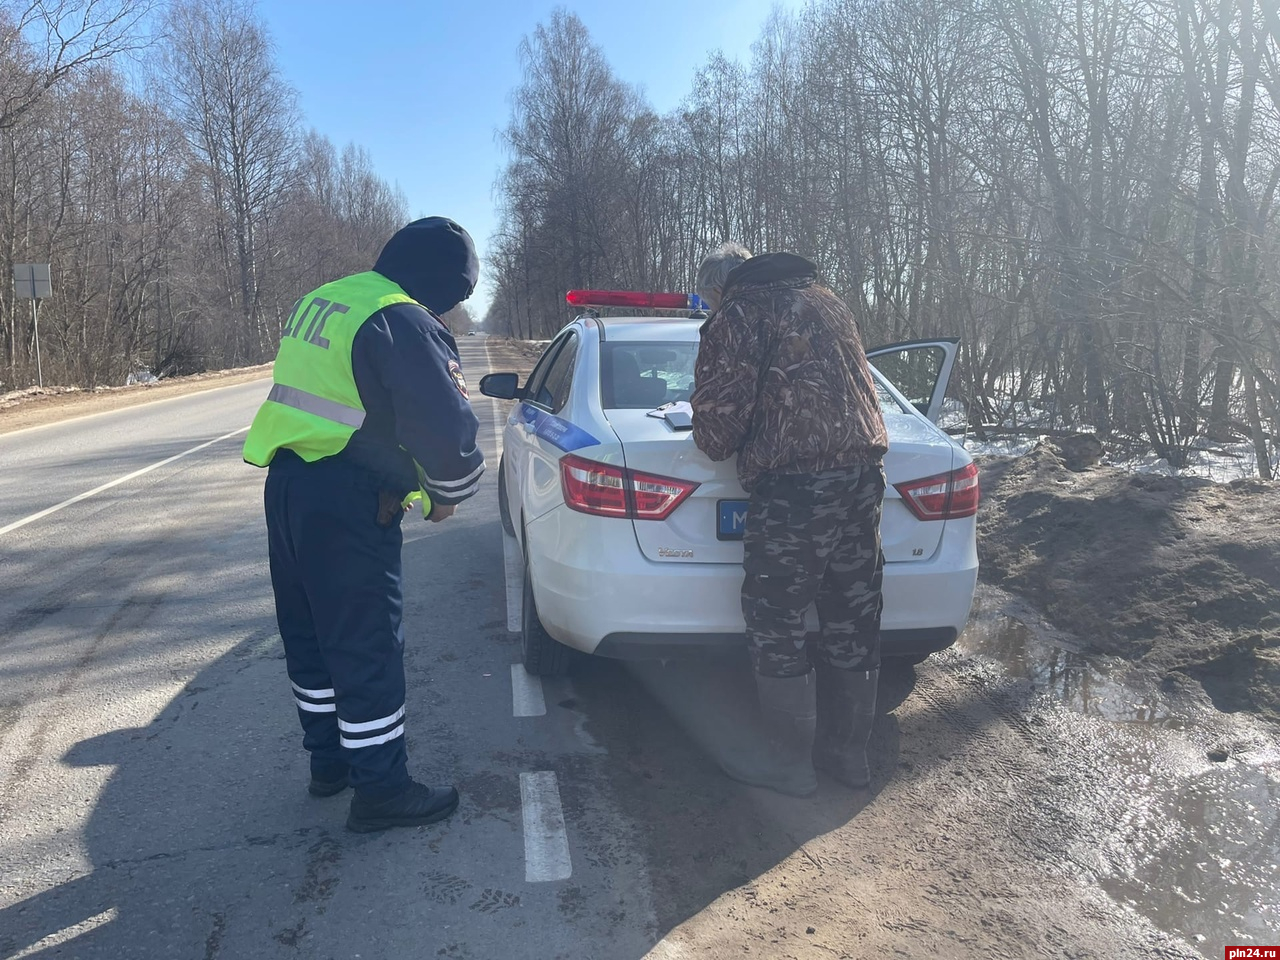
(1149, 464)
(1023, 414)
(1219, 463)
(1004, 447)
(16, 396)
(1207, 460)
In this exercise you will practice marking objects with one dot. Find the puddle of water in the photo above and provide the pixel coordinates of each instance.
(1192, 845)
(1081, 683)
(1200, 857)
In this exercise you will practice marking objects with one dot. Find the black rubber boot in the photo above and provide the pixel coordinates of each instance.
(846, 713)
(328, 779)
(414, 806)
(788, 708)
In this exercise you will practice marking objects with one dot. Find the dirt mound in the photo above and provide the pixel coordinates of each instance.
(1182, 575)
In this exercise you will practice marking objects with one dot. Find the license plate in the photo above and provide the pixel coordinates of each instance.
(733, 519)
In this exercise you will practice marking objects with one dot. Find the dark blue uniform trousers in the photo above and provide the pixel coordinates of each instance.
(336, 575)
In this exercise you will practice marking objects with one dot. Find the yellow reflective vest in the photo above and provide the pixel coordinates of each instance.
(314, 407)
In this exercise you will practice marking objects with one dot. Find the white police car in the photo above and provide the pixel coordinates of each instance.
(632, 537)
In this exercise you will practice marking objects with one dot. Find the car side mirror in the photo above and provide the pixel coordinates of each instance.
(501, 386)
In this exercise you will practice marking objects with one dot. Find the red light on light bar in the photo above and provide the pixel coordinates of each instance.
(629, 298)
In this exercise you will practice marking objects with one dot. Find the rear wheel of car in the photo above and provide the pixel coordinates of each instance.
(504, 509)
(543, 655)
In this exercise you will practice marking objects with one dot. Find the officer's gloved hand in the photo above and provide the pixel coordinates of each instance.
(440, 512)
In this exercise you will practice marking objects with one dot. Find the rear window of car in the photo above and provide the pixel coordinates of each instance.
(888, 402)
(644, 375)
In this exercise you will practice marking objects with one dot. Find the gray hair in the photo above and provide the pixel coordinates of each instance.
(715, 270)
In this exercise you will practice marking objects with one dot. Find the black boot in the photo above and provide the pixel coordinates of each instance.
(415, 805)
(327, 779)
(788, 708)
(846, 712)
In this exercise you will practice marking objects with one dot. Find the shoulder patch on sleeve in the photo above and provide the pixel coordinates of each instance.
(455, 371)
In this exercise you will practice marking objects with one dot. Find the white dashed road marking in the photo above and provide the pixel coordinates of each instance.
(546, 844)
(526, 693)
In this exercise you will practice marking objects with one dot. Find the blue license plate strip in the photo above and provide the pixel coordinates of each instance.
(732, 519)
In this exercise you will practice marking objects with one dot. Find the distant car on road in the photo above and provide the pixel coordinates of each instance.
(632, 537)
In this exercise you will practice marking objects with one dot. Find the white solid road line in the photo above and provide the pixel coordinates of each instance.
(135, 406)
(67, 934)
(513, 569)
(513, 563)
(493, 406)
(114, 483)
(526, 693)
(546, 844)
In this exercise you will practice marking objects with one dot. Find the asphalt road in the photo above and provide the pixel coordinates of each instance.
(152, 782)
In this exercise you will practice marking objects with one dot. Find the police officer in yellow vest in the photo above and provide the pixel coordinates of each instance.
(369, 411)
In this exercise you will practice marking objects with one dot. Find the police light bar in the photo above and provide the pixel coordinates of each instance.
(635, 298)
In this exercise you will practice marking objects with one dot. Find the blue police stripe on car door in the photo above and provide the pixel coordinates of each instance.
(557, 432)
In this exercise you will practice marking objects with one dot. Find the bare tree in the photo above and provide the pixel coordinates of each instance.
(241, 120)
(1084, 191)
(43, 42)
(176, 236)
(576, 134)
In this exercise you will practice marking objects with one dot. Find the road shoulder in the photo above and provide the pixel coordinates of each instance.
(36, 407)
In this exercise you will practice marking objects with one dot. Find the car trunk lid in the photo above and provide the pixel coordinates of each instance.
(692, 534)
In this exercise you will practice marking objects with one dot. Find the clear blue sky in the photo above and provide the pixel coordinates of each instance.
(425, 86)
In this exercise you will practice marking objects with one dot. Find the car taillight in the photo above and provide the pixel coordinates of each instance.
(596, 488)
(657, 497)
(947, 496)
(604, 490)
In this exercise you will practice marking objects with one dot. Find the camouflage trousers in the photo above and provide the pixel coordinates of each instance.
(814, 539)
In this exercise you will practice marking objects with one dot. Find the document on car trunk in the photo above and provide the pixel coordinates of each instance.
(678, 414)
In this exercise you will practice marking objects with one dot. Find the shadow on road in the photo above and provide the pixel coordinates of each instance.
(98, 630)
(666, 726)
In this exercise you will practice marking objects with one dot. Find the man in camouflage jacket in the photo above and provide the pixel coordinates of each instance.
(783, 382)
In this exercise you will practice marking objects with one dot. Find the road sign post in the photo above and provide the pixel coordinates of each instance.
(34, 282)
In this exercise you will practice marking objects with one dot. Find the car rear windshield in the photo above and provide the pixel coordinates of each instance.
(642, 375)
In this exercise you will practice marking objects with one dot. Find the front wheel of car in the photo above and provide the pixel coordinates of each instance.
(543, 655)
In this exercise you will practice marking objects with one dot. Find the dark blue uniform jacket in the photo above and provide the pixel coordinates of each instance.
(408, 372)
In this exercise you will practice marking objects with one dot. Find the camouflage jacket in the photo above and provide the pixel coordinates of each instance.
(782, 378)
